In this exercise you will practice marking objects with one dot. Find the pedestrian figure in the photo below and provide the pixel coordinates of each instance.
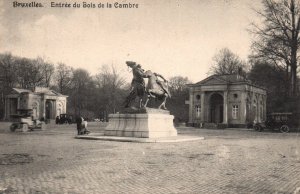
(57, 120)
(78, 123)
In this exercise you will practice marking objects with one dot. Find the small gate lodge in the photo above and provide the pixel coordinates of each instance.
(43, 102)
(226, 101)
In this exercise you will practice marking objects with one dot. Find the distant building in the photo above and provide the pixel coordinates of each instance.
(43, 102)
(228, 100)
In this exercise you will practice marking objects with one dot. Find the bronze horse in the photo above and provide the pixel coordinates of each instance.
(156, 89)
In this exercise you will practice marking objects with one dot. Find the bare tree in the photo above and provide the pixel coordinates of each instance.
(278, 39)
(82, 94)
(63, 77)
(109, 83)
(29, 72)
(178, 84)
(180, 93)
(46, 70)
(7, 78)
(25, 72)
(226, 62)
(109, 76)
(8, 70)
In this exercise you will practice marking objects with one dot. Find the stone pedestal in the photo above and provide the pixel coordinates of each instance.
(150, 123)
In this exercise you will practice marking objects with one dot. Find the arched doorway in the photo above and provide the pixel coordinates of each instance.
(49, 109)
(216, 108)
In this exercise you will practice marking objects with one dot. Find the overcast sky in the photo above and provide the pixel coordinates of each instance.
(167, 36)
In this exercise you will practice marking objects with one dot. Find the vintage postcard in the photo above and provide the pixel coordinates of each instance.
(149, 96)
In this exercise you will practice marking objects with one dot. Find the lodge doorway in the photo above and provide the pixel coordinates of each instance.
(50, 112)
(216, 108)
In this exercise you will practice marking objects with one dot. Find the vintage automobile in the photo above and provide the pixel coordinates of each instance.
(65, 119)
(282, 122)
(23, 122)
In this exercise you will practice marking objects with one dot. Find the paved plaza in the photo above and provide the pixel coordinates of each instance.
(227, 161)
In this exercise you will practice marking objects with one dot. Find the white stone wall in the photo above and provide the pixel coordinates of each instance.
(251, 102)
(36, 101)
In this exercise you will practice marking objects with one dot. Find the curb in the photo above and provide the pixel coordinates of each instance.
(140, 140)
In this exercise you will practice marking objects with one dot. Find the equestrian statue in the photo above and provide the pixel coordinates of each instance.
(155, 88)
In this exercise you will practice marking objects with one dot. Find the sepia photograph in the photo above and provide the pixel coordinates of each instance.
(149, 96)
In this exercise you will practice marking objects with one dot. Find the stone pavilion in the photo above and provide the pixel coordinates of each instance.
(43, 102)
(226, 101)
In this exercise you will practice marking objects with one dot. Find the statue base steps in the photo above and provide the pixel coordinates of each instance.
(175, 139)
(153, 124)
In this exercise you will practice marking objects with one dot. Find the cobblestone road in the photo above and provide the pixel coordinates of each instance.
(227, 161)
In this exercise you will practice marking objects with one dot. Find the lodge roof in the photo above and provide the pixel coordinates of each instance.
(225, 79)
(37, 90)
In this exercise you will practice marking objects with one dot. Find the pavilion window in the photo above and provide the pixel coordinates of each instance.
(235, 111)
(198, 110)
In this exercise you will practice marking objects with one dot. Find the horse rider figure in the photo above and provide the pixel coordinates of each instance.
(156, 88)
(137, 83)
(163, 84)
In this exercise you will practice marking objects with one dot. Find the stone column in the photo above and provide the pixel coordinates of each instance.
(265, 107)
(54, 109)
(18, 103)
(225, 107)
(259, 108)
(203, 107)
(243, 108)
(65, 106)
(5, 108)
(191, 106)
(43, 106)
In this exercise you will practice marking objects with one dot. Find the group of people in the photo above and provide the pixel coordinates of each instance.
(63, 119)
(80, 122)
(81, 126)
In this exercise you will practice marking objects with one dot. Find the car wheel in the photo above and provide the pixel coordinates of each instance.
(257, 128)
(13, 127)
(43, 126)
(284, 129)
(25, 127)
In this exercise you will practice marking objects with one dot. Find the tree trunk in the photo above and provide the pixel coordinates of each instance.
(294, 81)
(287, 81)
(293, 74)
